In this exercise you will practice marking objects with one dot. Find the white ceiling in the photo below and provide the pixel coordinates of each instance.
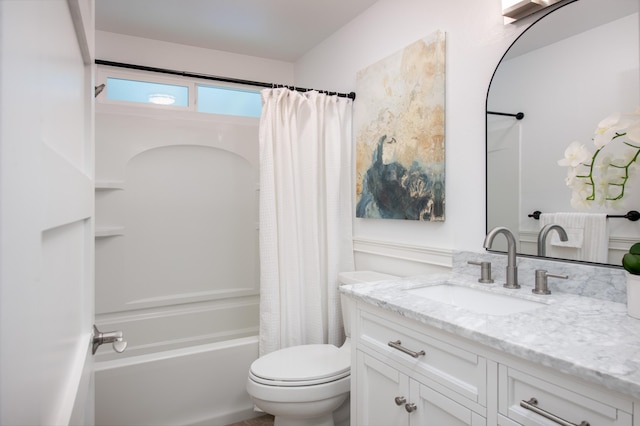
(275, 29)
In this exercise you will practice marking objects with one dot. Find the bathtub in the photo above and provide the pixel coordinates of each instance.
(197, 385)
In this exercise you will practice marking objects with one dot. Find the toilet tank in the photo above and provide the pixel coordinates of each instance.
(353, 278)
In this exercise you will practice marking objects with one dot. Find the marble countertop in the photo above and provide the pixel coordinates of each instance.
(590, 338)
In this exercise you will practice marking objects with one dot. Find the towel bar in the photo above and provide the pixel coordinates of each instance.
(632, 215)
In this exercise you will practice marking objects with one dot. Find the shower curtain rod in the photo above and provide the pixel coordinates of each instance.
(351, 95)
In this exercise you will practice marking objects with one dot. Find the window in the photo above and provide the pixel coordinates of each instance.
(145, 92)
(181, 93)
(220, 100)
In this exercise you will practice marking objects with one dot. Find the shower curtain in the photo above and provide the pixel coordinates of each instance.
(305, 216)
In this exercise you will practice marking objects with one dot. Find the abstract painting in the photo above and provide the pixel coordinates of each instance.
(399, 129)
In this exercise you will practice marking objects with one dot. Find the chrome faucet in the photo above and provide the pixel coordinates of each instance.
(512, 269)
(542, 237)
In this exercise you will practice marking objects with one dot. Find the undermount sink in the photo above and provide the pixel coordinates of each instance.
(479, 301)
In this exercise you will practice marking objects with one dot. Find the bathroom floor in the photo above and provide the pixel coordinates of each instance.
(266, 420)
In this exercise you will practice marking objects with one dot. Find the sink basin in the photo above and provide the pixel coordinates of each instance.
(479, 301)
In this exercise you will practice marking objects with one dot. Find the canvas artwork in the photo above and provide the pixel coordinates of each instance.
(399, 128)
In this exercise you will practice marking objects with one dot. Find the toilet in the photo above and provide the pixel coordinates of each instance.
(308, 385)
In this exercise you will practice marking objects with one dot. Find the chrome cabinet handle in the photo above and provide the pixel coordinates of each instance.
(398, 345)
(400, 400)
(410, 407)
(532, 404)
(114, 337)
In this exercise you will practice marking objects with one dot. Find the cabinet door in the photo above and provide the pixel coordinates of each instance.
(435, 409)
(377, 386)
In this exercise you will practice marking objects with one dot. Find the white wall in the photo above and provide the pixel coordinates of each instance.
(160, 54)
(476, 39)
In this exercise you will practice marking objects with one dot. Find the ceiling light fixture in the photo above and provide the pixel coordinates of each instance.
(162, 99)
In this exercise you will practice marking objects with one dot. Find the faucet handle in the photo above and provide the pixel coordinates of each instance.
(485, 271)
(541, 281)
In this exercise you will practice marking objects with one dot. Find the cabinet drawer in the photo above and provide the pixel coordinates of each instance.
(565, 400)
(453, 368)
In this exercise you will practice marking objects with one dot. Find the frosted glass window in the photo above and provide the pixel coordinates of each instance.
(219, 100)
(145, 92)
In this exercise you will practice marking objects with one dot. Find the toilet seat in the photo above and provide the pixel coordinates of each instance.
(304, 365)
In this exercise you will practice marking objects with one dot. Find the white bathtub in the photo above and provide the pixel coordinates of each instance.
(197, 385)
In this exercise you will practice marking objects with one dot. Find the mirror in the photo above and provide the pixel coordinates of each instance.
(572, 68)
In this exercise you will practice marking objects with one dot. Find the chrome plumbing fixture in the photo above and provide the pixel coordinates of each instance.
(485, 271)
(512, 269)
(542, 237)
(541, 281)
(114, 337)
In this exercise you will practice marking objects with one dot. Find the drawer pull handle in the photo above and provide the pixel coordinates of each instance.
(410, 407)
(532, 405)
(398, 345)
(400, 400)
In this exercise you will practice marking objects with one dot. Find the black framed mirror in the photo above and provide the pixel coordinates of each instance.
(569, 70)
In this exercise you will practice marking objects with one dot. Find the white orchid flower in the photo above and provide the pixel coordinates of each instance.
(616, 204)
(604, 189)
(633, 131)
(607, 129)
(571, 178)
(603, 165)
(577, 184)
(599, 179)
(579, 201)
(574, 155)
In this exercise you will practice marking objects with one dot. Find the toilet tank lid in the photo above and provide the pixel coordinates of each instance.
(354, 277)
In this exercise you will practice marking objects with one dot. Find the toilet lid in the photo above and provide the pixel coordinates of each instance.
(306, 364)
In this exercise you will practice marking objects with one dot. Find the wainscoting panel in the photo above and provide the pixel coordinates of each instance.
(401, 260)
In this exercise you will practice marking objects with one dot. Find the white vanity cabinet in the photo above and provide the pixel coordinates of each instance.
(404, 377)
(408, 373)
(386, 396)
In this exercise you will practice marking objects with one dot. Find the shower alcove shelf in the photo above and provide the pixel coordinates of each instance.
(108, 231)
(106, 185)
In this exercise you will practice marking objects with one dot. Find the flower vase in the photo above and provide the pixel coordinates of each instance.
(633, 295)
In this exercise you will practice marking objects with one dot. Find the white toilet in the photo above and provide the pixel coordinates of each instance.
(308, 385)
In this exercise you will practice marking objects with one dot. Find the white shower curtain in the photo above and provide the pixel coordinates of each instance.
(305, 216)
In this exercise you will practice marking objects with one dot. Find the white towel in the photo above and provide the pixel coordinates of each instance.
(588, 236)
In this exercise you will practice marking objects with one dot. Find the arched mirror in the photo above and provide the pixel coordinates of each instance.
(568, 71)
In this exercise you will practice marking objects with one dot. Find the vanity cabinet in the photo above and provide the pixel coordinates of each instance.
(407, 373)
(404, 377)
(386, 396)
